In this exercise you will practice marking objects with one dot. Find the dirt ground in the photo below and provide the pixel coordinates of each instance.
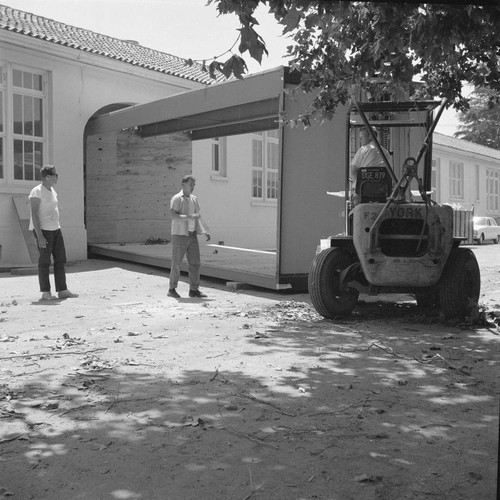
(124, 393)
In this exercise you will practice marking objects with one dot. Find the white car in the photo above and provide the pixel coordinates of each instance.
(486, 228)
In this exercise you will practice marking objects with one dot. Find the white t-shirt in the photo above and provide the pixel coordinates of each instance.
(185, 205)
(49, 210)
(368, 156)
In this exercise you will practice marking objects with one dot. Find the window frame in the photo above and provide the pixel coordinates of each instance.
(10, 135)
(436, 178)
(477, 183)
(3, 123)
(456, 180)
(265, 172)
(492, 190)
(218, 149)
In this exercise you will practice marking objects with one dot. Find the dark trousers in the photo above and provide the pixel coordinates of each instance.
(188, 246)
(55, 248)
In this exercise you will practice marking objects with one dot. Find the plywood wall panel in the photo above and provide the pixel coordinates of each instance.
(129, 183)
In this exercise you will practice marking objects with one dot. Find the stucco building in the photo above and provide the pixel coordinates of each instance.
(54, 78)
(466, 174)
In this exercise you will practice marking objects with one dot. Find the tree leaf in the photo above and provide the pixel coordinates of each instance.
(213, 68)
(253, 42)
(290, 20)
(234, 66)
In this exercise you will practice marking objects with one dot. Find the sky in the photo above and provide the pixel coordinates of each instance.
(183, 28)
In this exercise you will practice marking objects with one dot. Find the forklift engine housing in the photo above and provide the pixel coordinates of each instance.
(409, 243)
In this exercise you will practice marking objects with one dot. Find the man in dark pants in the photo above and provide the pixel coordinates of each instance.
(186, 225)
(44, 222)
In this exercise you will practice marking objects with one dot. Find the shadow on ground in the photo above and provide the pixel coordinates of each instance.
(370, 407)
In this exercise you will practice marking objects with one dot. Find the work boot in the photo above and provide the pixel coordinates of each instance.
(173, 293)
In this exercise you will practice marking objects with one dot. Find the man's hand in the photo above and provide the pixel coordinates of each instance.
(42, 242)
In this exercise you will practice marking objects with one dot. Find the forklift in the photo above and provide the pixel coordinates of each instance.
(397, 238)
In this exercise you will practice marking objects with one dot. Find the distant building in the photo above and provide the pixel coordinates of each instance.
(466, 174)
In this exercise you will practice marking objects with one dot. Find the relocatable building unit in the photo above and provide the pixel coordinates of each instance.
(136, 157)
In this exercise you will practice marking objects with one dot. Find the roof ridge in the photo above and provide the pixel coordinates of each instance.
(467, 145)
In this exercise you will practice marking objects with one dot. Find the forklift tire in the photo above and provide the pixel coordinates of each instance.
(324, 284)
(460, 284)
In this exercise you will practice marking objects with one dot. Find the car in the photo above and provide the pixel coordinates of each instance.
(486, 228)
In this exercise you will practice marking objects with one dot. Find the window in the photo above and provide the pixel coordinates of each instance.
(436, 179)
(492, 190)
(22, 123)
(476, 179)
(27, 124)
(2, 127)
(456, 179)
(265, 165)
(219, 164)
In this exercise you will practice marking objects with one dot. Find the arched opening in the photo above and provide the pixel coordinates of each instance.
(100, 112)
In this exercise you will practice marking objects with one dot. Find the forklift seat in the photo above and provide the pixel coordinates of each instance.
(373, 184)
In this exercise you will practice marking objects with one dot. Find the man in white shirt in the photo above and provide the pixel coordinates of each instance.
(186, 225)
(44, 222)
(368, 155)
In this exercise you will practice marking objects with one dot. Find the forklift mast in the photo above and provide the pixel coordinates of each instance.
(415, 124)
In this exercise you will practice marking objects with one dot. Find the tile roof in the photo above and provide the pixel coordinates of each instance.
(466, 146)
(42, 28)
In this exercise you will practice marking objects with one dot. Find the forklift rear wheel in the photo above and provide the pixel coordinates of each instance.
(460, 284)
(324, 284)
